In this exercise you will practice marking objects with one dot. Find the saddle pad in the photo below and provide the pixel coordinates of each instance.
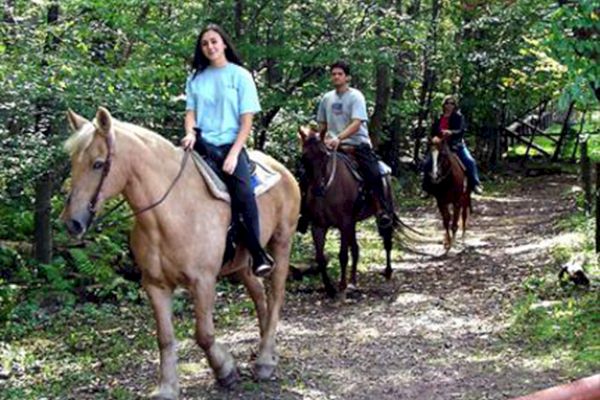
(263, 178)
(384, 169)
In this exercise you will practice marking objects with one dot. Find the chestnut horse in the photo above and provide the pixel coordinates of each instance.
(333, 200)
(181, 241)
(449, 187)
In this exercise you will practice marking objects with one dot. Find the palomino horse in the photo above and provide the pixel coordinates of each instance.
(449, 187)
(181, 241)
(333, 200)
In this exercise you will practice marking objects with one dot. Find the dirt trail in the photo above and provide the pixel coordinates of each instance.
(430, 333)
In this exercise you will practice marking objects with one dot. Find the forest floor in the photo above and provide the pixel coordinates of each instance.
(439, 329)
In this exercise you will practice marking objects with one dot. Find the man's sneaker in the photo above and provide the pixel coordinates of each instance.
(478, 189)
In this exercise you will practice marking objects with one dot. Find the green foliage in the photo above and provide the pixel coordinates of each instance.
(556, 318)
(564, 328)
(133, 57)
(573, 40)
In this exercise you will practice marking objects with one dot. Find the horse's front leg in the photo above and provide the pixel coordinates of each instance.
(446, 220)
(355, 251)
(346, 231)
(319, 234)
(455, 217)
(219, 358)
(465, 213)
(161, 300)
(387, 244)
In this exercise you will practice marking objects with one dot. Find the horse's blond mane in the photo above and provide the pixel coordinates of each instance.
(81, 139)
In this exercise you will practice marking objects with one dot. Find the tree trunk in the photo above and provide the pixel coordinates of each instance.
(238, 22)
(42, 221)
(578, 137)
(43, 194)
(382, 99)
(586, 176)
(428, 80)
(563, 133)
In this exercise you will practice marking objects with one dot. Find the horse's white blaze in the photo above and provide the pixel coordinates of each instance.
(434, 156)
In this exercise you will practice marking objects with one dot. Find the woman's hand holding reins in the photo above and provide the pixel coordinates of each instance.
(188, 141)
(230, 162)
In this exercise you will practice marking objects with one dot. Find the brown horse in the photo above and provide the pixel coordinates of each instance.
(449, 187)
(333, 200)
(180, 242)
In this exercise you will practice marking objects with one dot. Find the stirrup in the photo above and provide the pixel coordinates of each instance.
(262, 270)
(264, 267)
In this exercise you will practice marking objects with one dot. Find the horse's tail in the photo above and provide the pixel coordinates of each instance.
(407, 231)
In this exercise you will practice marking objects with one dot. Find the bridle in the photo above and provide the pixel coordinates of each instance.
(105, 170)
(331, 155)
(93, 203)
(448, 170)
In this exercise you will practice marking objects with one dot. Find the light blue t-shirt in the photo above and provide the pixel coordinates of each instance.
(219, 96)
(337, 110)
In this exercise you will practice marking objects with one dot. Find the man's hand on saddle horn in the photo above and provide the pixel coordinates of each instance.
(332, 142)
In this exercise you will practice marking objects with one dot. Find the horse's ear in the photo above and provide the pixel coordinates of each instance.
(303, 132)
(76, 121)
(104, 121)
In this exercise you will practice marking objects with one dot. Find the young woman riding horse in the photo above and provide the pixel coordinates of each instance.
(221, 100)
(182, 240)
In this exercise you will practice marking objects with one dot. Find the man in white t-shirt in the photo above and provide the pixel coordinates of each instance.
(342, 118)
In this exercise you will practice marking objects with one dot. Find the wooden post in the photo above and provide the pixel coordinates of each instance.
(586, 177)
(597, 193)
(563, 133)
(578, 137)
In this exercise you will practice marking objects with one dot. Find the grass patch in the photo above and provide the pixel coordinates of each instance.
(557, 321)
(591, 127)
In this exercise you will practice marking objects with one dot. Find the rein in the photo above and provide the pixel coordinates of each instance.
(333, 169)
(106, 169)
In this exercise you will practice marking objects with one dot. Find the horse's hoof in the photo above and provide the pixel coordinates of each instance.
(263, 372)
(331, 293)
(353, 293)
(164, 394)
(387, 274)
(230, 379)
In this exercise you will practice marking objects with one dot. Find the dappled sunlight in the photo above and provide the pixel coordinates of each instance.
(433, 331)
(545, 244)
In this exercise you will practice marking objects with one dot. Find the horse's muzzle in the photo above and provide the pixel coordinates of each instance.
(77, 225)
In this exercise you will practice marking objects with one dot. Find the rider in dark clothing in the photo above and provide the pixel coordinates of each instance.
(342, 118)
(451, 123)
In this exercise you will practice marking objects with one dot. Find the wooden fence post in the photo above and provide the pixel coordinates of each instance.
(597, 195)
(586, 176)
